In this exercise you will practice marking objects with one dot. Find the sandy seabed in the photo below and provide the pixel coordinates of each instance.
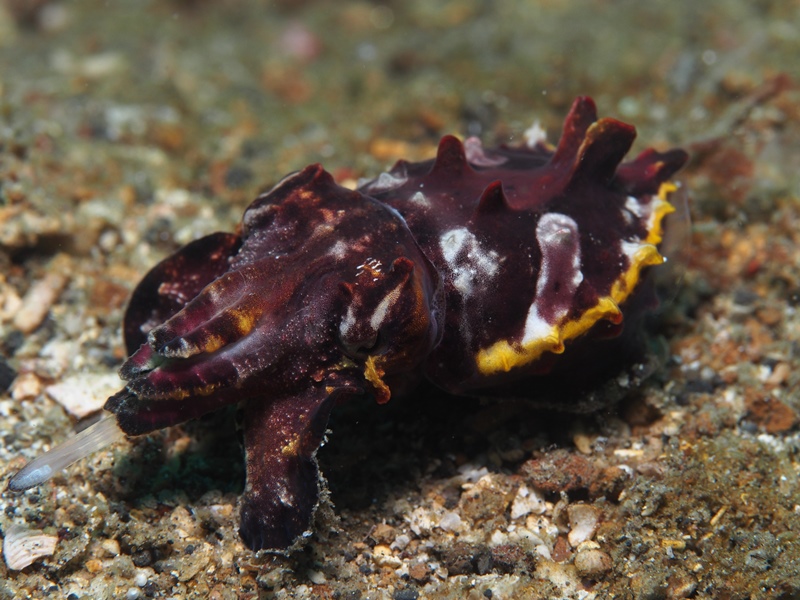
(130, 128)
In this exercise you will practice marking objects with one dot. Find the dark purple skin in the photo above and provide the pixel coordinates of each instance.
(254, 318)
(327, 293)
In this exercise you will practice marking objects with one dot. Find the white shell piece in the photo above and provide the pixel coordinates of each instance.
(583, 521)
(22, 546)
(527, 501)
(84, 393)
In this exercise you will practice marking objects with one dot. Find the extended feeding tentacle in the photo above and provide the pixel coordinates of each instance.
(92, 439)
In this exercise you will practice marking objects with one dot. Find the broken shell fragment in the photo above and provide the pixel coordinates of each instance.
(22, 546)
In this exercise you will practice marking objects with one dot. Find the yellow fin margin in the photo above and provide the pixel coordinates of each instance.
(501, 356)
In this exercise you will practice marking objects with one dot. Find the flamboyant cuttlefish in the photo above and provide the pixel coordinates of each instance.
(474, 270)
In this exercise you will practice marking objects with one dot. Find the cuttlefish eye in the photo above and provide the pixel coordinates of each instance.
(386, 308)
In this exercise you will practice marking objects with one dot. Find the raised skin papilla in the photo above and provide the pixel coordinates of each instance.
(475, 269)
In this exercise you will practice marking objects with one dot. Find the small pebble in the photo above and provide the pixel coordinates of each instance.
(527, 501)
(450, 521)
(400, 542)
(583, 443)
(316, 577)
(382, 556)
(26, 386)
(558, 471)
(592, 562)
(40, 297)
(383, 533)
(779, 374)
(419, 571)
(583, 522)
(94, 566)
(111, 547)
